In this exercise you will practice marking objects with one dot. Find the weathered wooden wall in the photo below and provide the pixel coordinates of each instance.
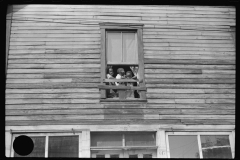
(54, 65)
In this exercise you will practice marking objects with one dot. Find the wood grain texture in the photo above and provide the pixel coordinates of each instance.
(56, 63)
(8, 32)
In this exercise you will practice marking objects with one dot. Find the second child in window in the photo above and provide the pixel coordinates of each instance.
(129, 93)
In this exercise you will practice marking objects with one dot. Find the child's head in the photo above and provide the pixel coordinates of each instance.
(129, 74)
(120, 71)
(110, 71)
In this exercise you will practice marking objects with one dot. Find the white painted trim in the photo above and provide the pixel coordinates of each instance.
(232, 143)
(55, 128)
(199, 146)
(46, 146)
(8, 142)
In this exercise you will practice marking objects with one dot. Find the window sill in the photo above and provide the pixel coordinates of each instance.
(122, 100)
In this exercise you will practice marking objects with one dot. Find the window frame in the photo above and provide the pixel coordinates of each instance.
(46, 135)
(198, 134)
(104, 27)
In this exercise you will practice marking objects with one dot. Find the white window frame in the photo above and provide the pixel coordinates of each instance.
(124, 147)
(46, 140)
(198, 134)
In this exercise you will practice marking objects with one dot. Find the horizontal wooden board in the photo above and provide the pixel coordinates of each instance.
(59, 117)
(94, 44)
(195, 76)
(218, 71)
(185, 66)
(55, 51)
(56, 61)
(54, 85)
(190, 81)
(50, 76)
(184, 41)
(179, 71)
(216, 107)
(194, 61)
(92, 31)
(54, 66)
(54, 56)
(191, 86)
(52, 39)
(198, 45)
(190, 48)
(227, 91)
(185, 37)
(53, 96)
(61, 90)
(95, 111)
(41, 101)
(188, 96)
(52, 70)
(190, 57)
(74, 80)
(53, 47)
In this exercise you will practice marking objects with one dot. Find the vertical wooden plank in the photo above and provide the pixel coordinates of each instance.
(46, 146)
(199, 146)
(232, 143)
(141, 63)
(8, 141)
(80, 145)
(161, 143)
(85, 145)
(103, 60)
(8, 32)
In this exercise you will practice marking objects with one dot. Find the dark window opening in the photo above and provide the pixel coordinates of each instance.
(113, 93)
(114, 156)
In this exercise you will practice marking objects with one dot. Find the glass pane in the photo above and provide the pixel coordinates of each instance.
(214, 140)
(133, 156)
(38, 150)
(100, 156)
(213, 144)
(183, 146)
(63, 146)
(114, 156)
(114, 47)
(106, 139)
(147, 156)
(129, 48)
(222, 152)
(140, 139)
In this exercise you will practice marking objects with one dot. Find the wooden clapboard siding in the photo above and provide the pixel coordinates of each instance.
(54, 65)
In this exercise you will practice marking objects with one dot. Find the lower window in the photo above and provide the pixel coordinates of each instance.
(52, 145)
(199, 145)
(123, 145)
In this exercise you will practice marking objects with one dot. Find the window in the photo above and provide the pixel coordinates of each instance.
(199, 145)
(121, 47)
(123, 144)
(52, 145)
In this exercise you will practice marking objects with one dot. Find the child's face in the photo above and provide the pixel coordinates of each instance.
(122, 72)
(128, 75)
(111, 72)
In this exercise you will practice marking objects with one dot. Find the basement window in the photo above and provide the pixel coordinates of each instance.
(122, 70)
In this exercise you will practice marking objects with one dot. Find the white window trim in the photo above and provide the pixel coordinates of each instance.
(46, 140)
(230, 134)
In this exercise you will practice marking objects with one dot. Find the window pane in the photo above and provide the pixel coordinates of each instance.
(100, 156)
(213, 144)
(183, 146)
(63, 146)
(147, 156)
(106, 139)
(133, 156)
(114, 156)
(129, 48)
(114, 47)
(215, 140)
(140, 139)
(222, 152)
(38, 150)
